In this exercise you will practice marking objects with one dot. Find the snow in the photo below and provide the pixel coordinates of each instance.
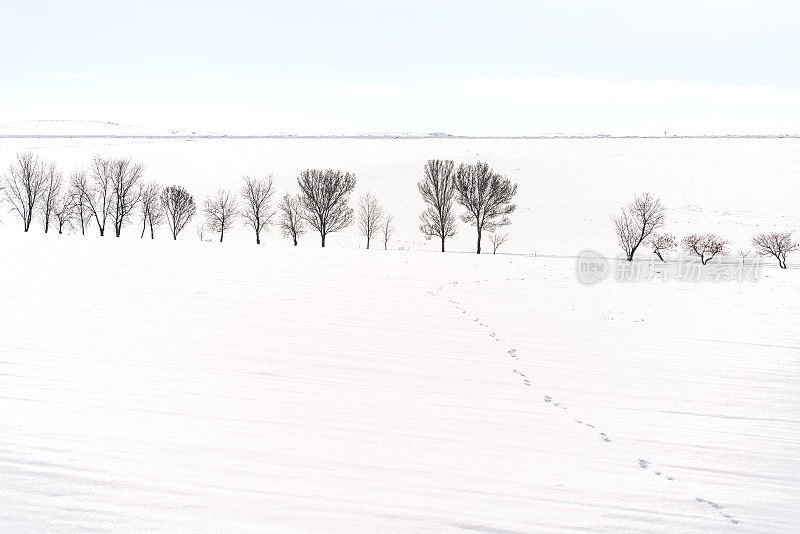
(187, 386)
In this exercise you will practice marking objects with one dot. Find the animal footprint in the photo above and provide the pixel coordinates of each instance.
(605, 438)
(644, 463)
(548, 398)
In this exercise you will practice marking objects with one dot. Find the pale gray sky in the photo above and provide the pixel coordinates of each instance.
(465, 67)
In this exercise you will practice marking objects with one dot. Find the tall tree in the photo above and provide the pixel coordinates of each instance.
(99, 192)
(221, 211)
(370, 215)
(324, 195)
(126, 193)
(79, 191)
(486, 195)
(387, 229)
(178, 208)
(438, 190)
(150, 206)
(52, 190)
(64, 210)
(637, 221)
(291, 222)
(256, 194)
(24, 186)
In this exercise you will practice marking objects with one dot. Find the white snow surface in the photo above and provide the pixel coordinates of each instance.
(194, 387)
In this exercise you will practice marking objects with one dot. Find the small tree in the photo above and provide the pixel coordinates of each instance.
(387, 228)
(778, 244)
(497, 240)
(221, 211)
(704, 246)
(64, 210)
(78, 191)
(178, 208)
(324, 195)
(370, 215)
(51, 194)
(152, 212)
(637, 222)
(486, 195)
(24, 186)
(438, 190)
(257, 194)
(291, 223)
(662, 243)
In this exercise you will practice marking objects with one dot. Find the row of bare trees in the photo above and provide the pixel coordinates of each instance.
(638, 223)
(112, 190)
(484, 194)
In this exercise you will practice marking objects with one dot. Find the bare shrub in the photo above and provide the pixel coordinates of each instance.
(704, 246)
(777, 244)
(497, 240)
(662, 243)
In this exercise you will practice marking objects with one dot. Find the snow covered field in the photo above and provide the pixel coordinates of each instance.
(161, 386)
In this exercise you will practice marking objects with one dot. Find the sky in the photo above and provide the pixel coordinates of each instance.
(461, 67)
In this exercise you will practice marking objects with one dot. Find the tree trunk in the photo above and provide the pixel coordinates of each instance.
(221, 234)
(479, 240)
(294, 238)
(442, 243)
(367, 242)
(323, 239)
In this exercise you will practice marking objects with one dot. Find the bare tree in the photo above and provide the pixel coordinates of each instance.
(497, 240)
(438, 191)
(79, 191)
(178, 208)
(201, 231)
(662, 243)
(64, 210)
(99, 192)
(126, 193)
(387, 228)
(704, 246)
(370, 215)
(486, 195)
(257, 194)
(778, 244)
(637, 221)
(220, 211)
(292, 223)
(324, 195)
(52, 190)
(24, 186)
(152, 212)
